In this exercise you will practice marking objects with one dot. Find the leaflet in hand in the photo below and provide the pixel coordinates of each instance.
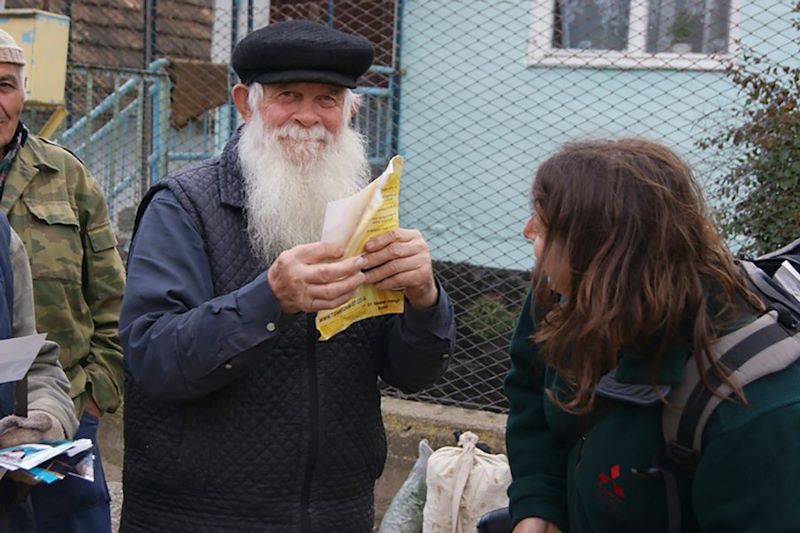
(789, 279)
(350, 222)
(50, 461)
(17, 355)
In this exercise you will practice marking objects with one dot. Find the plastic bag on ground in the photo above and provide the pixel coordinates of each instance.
(404, 514)
(463, 483)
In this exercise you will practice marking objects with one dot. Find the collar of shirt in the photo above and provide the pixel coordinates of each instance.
(17, 142)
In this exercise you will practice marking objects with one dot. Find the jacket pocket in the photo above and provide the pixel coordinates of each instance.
(102, 238)
(53, 241)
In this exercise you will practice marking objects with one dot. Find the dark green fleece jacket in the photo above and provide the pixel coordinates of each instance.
(749, 473)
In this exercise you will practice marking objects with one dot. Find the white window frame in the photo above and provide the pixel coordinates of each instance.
(542, 54)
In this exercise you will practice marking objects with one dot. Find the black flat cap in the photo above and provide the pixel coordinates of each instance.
(301, 51)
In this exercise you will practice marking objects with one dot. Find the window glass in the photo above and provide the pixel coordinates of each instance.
(591, 24)
(688, 26)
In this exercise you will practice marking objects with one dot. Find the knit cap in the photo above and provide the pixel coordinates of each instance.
(9, 51)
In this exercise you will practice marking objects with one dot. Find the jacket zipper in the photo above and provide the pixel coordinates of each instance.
(580, 452)
(313, 418)
(584, 522)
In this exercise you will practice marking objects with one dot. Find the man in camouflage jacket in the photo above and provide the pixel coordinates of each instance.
(59, 211)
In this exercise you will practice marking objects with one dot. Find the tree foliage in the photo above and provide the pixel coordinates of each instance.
(761, 185)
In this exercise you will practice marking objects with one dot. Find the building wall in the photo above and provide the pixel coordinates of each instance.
(474, 120)
(111, 32)
(224, 16)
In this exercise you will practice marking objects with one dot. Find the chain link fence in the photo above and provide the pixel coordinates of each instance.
(472, 92)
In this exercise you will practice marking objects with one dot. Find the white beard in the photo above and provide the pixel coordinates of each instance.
(290, 176)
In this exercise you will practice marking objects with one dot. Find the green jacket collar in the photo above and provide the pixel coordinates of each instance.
(33, 154)
(630, 381)
(30, 161)
(633, 368)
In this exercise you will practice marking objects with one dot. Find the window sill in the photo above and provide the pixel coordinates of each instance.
(612, 59)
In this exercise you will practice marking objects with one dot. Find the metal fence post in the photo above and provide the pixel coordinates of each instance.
(141, 138)
(150, 31)
(113, 145)
(235, 7)
(395, 77)
(164, 115)
(68, 80)
(87, 147)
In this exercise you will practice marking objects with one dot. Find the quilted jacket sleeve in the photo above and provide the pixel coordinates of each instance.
(420, 344)
(181, 342)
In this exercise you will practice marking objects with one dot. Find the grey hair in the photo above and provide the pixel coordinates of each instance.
(352, 101)
(255, 94)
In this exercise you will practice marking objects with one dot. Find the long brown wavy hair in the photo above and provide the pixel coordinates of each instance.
(628, 219)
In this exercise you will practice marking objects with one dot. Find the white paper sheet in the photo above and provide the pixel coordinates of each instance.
(789, 279)
(17, 355)
(343, 216)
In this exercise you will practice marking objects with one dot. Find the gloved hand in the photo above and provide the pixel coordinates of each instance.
(36, 427)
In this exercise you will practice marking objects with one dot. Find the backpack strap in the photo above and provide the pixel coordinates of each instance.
(758, 349)
(790, 251)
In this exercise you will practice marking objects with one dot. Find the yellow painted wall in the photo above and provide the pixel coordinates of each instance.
(44, 38)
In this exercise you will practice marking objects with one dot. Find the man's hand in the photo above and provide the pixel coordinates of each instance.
(36, 427)
(535, 525)
(91, 407)
(400, 260)
(309, 278)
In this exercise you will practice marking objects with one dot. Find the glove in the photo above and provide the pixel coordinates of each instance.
(36, 427)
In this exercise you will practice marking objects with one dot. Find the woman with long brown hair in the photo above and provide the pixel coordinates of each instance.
(632, 281)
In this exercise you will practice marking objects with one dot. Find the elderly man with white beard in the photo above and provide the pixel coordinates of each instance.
(237, 418)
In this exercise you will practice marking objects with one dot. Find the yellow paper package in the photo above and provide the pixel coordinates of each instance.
(353, 221)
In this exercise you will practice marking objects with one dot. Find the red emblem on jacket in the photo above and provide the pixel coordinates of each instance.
(608, 482)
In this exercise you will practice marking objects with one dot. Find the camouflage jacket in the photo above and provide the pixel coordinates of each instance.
(60, 214)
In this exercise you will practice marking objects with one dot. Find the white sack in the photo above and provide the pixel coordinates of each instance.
(463, 484)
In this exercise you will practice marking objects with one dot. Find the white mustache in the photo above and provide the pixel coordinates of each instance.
(293, 132)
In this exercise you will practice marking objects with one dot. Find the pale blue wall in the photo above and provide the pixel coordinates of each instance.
(474, 121)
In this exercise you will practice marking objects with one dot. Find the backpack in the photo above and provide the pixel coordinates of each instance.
(767, 345)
